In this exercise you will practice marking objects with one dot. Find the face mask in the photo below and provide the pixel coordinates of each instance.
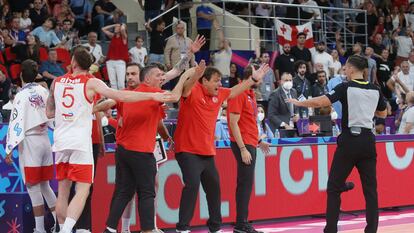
(287, 85)
(223, 119)
(260, 116)
(334, 115)
(104, 121)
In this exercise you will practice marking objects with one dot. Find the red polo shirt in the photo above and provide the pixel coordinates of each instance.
(245, 105)
(140, 122)
(197, 121)
(96, 133)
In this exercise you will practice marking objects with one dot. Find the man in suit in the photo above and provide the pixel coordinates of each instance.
(281, 114)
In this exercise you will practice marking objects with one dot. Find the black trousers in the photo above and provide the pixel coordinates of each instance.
(360, 152)
(207, 34)
(245, 176)
(135, 172)
(196, 169)
(85, 219)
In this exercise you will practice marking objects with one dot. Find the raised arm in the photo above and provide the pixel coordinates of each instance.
(124, 34)
(317, 102)
(339, 46)
(104, 105)
(257, 76)
(194, 75)
(220, 34)
(50, 104)
(107, 32)
(180, 66)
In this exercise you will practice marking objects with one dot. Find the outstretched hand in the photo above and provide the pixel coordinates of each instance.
(261, 72)
(200, 68)
(293, 101)
(197, 44)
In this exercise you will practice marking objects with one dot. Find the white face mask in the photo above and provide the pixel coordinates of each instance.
(104, 121)
(260, 116)
(287, 85)
(334, 115)
(223, 119)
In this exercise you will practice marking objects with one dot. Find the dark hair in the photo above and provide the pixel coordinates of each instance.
(248, 71)
(53, 22)
(67, 20)
(298, 63)
(146, 70)
(263, 123)
(209, 72)
(357, 61)
(134, 64)
(29, 71)
(82, 57)
(300, 34)
(320, 72)
(159, 21)
(138, 37)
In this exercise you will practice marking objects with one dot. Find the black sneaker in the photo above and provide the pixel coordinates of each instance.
(245, 228)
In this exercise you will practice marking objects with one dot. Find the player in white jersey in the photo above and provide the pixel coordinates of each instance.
(28, 131)
(70, 103)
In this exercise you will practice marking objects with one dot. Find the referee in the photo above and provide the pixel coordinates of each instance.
(361, 101)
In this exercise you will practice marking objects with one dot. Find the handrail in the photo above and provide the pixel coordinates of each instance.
(164, 13)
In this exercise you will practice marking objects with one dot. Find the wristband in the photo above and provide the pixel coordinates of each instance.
(255, 80)
(260, 141)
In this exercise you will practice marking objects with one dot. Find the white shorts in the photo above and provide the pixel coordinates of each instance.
(35, 159)
(75, 165)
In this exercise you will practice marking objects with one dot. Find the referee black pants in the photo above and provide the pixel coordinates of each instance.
(245, 176)
(135, 172)
(198, 169)
(360, 152)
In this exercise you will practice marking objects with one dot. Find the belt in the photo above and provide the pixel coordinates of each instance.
(356, 131)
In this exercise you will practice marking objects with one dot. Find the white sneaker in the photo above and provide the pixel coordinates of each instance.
(125, 231)
(219, 231)
(186, 231)
(37, 231)
(82, 231)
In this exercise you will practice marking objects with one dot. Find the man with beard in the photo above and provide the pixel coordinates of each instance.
(321, 56)
(284, 62)
(302, 85)
(320, 88)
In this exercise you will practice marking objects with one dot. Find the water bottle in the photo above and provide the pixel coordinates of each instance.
(310, 111)
(387, 130)
(1, 118)
(334, 131)
(277, 134)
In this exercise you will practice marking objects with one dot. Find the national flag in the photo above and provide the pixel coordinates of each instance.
(287, 33)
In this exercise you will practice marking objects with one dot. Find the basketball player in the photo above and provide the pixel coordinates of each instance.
(194, 142)
(28, 130)
(70, 102)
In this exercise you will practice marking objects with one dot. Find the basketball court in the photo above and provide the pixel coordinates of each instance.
(390, 222)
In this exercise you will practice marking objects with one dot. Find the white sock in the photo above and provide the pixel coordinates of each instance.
(111, 229)
(40, 223)
(125, 224)
(82, 231)
(54, 216)
(60, 227)
(68, 226)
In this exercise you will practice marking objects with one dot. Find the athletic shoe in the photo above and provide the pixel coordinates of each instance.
(126, 232)
(185, 231)
(219, 231)
(245, 228)
(37, 231)
(107, 231)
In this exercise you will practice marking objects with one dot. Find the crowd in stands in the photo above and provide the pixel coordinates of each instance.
(47, 30)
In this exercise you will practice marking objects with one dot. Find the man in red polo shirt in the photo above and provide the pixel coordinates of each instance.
(194, 141)
(136, 144)
(244, 137)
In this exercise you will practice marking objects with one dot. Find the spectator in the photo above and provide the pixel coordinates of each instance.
(222, 127)
(29, 50)
(404, 44)
(268, 83)
(177, 46)
(384, 72)
(82, 9)
(380, 29)
(5, 84)
(25, 21)
(377, 45)
(38, 14)
(17, 35)
(302, 85)
(67, 35)
(157, 45)
(401, 82)
(282, 114)
(314, 12)
(313, 78)
(138, 53)
(264, 129)
(332, 83)
(284, 62)
(7, 39)
(336, 63)
(19, 6)
(300, 52)
(355, 50)
(64, 12)
(324, 58)
(388, 23)
(46, 33)
(185, 6)
(410, 16)
(104, 13)
(205, 17)
(151, 10)
(234, 75)
(371, 23)
(320, 88)
(263, 12)
(117, 55)
(407, 122)
(94, 48)
(222, 58)
(372, 66)
(6, 14)
(51, 68)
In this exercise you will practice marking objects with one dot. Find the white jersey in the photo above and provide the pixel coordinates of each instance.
(73, 114)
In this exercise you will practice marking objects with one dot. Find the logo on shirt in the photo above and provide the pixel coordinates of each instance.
(14, 114)
(68, 116)
(215, 100)
(36, 100)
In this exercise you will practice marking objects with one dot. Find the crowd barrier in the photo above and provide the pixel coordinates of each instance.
(290, 181)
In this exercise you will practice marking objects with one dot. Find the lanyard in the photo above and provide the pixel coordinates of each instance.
(179, 43)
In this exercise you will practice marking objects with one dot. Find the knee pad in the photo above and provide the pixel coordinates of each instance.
(35, 194)
(48, 194)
